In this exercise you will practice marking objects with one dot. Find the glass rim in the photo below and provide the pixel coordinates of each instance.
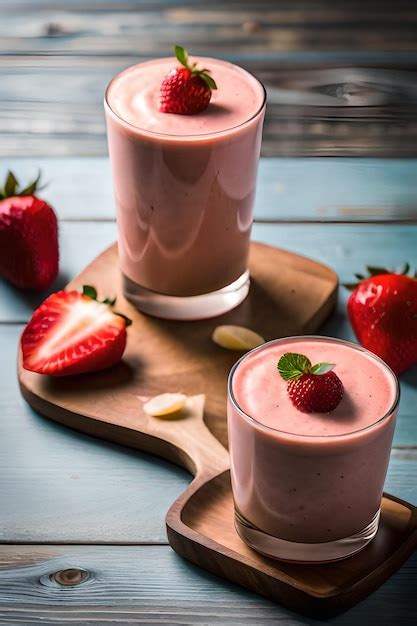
(169, 136)
(298, 436)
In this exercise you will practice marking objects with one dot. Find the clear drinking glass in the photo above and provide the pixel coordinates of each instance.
(185, 204)
(308, 498)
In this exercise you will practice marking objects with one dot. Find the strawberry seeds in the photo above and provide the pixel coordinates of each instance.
(186, 90)
(311, 388)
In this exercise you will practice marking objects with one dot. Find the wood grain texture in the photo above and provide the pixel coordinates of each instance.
(308, 113)
(52, 477)
(201, 528)
(163, 355)
(93, 27)
(318, 102)
(332, 190)
(151, 584)
(44, 438)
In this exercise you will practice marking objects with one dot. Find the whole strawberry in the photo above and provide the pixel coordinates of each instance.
(186, 90)
(311, 388)
(383, 312)
(28, 236)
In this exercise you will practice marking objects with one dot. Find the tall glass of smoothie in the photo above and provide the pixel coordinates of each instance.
(307, 487)
(184, 187)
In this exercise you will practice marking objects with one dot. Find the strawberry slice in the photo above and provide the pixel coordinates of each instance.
(73, 333)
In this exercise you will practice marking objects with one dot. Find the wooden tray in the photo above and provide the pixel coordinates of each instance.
(289, 295)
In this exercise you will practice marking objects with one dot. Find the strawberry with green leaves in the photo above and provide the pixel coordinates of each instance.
(383, 312)
(311, 388)
(28, 236)
(186, 90)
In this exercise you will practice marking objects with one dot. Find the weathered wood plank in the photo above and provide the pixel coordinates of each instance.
(336, 189)
(105, 27)
(151, 584)
(310, 112)
(281, 43)
(99, 27)
(305, 140)
(312, 189)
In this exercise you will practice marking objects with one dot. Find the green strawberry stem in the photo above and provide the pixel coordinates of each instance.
(182, 57)
(292, 366)
(91, 292)
(11, 187)
(375, 270)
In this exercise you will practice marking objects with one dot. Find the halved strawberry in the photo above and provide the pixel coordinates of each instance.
(73, 333)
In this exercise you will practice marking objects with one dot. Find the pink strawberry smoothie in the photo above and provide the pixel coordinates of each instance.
(184, 184)
(310, 477)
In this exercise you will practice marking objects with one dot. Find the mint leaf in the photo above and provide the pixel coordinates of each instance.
(322, 368)
(292, 365)
(90, 292)
(182, 55)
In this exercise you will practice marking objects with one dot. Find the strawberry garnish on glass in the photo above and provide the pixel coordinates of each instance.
(28, 236)
(74, 333)
(311, 388)
(383, 312)
(186, 90)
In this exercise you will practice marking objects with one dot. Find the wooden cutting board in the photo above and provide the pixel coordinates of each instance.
(289, 295)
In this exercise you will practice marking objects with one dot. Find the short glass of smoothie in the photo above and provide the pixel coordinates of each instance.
(184, 188)
(307, 487)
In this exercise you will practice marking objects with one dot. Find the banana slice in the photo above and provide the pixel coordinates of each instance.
(165, 405)
(236, 338)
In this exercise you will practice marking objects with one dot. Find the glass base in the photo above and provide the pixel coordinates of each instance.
(187, 308)
(292, 551)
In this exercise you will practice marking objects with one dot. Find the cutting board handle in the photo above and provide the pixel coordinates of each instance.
(199, 450)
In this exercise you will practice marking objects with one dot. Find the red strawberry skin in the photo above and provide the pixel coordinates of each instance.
(183, 92)
(28, 242)
(72, 334)
(383, 313)
(312, 393)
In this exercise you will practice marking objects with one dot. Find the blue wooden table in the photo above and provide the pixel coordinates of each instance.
(82, 521)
